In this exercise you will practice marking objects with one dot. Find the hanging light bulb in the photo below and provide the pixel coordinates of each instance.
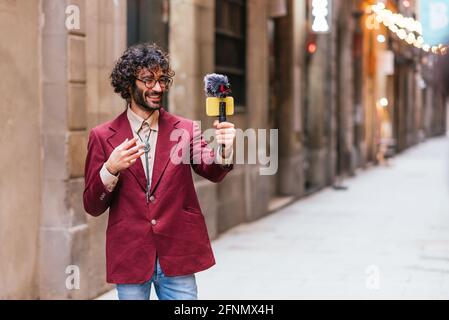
(419, 42)
(394, 29)
(410, 38)
(384, 102)
(406, 28)
(418, 27)
(380, 6)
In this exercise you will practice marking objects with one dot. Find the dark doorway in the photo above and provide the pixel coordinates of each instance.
(148, 21)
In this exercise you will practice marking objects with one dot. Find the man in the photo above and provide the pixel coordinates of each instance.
(156, 231)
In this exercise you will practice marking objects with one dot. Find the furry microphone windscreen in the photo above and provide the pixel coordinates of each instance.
(217, 86)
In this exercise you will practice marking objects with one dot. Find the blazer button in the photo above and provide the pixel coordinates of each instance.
(152, 198)
(153, 222)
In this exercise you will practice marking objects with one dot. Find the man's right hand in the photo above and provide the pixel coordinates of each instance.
(124, 156)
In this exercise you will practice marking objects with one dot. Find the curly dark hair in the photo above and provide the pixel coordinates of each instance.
(133, 60)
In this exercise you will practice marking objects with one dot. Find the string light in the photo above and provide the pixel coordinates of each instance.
(384, 102)
(406, 29)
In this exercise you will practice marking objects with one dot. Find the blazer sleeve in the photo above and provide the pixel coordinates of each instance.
(203, 159)
(96, 197)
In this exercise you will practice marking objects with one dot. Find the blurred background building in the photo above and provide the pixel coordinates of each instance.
(343, 90)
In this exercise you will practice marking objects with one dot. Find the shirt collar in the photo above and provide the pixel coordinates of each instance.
(136, 121)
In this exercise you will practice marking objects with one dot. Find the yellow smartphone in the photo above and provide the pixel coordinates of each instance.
(213, 106)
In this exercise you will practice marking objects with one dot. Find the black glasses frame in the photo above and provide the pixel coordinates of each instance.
(164, 81)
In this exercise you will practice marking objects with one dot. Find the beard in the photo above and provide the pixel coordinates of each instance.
(149, 101)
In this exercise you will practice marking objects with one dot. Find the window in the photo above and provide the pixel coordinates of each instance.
(230, 45)
(148, 22)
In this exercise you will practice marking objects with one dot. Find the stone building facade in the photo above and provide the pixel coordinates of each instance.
(57, 88)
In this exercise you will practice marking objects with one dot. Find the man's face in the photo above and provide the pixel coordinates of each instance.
(149, 99)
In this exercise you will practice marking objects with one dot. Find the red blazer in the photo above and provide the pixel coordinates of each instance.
(171, 225)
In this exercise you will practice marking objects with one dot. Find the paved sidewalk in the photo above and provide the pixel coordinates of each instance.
(387, 237)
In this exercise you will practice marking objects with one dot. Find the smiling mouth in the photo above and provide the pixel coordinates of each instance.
(154, 98)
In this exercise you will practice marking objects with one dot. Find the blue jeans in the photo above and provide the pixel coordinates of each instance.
(167, 288)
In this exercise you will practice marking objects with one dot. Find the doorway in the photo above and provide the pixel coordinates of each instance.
(148, 21)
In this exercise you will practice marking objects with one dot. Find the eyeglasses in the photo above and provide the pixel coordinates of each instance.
(164, 82)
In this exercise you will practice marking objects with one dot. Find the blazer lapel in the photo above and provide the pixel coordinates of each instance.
(164, 147)
(121, 130)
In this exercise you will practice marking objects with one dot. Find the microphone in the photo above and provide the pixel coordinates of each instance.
(219, 102)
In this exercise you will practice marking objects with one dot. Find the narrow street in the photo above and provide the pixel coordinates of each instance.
(387, 237)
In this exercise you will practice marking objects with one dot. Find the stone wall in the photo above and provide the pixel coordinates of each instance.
(63, 228)
(106, 41)
(21, 160)
(76, 96)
